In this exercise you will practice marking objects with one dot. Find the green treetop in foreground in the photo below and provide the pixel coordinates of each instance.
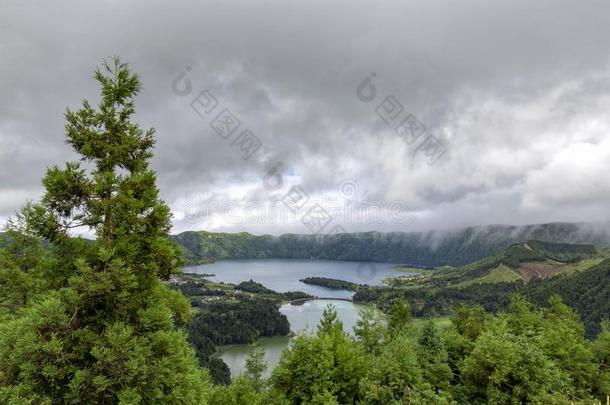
(96, 325)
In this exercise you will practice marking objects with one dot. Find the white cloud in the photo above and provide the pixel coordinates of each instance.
(523, 111)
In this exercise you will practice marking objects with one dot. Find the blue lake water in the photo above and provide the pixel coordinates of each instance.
(284, 274)
(303, 318)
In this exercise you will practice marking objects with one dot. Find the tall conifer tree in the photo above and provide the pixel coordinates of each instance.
(107, 330)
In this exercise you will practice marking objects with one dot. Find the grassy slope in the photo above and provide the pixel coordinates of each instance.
(500, 274)
(583, 283)
(507, 265)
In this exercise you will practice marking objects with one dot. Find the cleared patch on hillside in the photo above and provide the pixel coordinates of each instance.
(549, 268)
(539, 270)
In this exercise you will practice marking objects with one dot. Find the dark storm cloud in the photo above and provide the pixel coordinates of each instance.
(517, 91)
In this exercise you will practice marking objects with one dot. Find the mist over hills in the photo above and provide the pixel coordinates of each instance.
(426, 249)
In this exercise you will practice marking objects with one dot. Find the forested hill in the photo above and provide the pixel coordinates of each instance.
(434, 248)
(579, 274)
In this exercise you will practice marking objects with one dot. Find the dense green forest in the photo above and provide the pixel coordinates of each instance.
(242, 321)
(258, 288)
(106, 321)
(230, 314)
(425, 249)
(331, 283)
(520, 355)
(581, 279)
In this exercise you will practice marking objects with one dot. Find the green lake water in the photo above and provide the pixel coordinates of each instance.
(283, 275)
(303, 317)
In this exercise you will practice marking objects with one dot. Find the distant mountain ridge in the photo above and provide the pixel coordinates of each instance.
(426, 249)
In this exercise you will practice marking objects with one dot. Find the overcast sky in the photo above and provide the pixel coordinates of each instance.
(513, 97)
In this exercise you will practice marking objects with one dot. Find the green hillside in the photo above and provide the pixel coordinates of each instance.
(421, 249)
(519, 262)
(577, 273)
(587, 291)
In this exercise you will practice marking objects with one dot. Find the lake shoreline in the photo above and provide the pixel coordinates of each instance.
(302, 319)
(283, 275)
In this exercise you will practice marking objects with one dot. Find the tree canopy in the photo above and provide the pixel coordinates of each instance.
(91, 322)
